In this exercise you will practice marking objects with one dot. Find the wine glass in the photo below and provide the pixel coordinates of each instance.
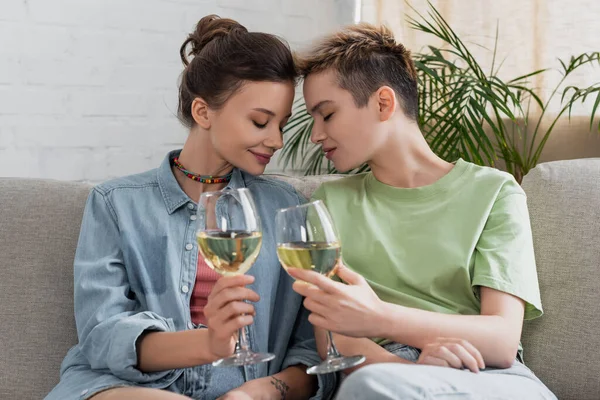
(306, 238)
(229, 238)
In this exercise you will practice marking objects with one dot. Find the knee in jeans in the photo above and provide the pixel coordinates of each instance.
(376, 382)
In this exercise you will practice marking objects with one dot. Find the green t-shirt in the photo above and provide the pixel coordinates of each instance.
(432, 247)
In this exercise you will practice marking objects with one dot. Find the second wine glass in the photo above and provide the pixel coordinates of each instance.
(229, 238)
(307, 239)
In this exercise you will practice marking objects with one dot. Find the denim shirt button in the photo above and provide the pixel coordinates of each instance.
(185, 289)
(193, 217)
(189, 246)
(190, 206)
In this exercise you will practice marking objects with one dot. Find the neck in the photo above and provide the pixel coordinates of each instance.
(199, 156)
(406, 160)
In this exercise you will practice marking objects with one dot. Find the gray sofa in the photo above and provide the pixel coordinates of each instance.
(39, 225)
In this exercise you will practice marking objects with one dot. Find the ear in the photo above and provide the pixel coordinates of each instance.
(201, 113)
(386, 102)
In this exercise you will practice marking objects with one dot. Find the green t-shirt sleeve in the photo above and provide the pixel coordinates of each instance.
(504, 256)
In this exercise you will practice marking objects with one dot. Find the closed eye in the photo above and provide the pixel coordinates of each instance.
(259, 126)
(327, 117)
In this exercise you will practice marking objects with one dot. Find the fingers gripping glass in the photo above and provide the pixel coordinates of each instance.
(229, 239)
(306, 238)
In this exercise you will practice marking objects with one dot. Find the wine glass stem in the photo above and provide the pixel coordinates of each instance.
(332, 351)
(242, 343)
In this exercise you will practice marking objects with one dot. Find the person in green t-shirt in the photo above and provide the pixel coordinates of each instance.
(439, 267)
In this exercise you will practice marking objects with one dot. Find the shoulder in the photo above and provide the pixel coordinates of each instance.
(136, 181)
(492, 181)
(124, 191)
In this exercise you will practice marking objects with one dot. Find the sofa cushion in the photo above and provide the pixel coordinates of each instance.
(39, 227)
(562, 346)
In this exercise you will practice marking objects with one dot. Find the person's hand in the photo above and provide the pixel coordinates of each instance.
(351, 309)
(226, 312)
(453, 353)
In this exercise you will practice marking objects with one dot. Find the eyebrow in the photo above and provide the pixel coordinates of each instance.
(264, 110)
(319, 105)
(269, 112)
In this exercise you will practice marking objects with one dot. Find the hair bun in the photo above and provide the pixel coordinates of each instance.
(208, 29)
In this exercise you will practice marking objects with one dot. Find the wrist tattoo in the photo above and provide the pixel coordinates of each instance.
(281, 386)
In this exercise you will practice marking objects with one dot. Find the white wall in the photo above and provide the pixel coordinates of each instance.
(88, 88)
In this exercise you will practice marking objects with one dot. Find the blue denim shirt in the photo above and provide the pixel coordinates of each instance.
(135, 269)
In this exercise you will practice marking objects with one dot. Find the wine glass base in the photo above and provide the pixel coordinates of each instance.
(243, 358)
(335, 364)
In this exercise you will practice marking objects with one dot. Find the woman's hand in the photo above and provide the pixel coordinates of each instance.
(453, 353)
(226, 312)
(351, 309)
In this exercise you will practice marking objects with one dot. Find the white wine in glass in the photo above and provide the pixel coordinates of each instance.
(306, 239)
(321, 257)
(229, 253)
(229, 239)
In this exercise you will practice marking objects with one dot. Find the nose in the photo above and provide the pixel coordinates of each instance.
(274, 140)
(317, 134)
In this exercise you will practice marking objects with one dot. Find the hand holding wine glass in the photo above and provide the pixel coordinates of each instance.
(307, 240)
(229, 238)
(227, 312)
(351, 308)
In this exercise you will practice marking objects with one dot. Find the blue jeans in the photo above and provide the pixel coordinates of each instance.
(404, 381)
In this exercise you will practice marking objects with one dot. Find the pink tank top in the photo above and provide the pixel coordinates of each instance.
(205, 281)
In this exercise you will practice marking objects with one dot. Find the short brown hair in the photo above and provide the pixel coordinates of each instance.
(220, 55)
(365, 58)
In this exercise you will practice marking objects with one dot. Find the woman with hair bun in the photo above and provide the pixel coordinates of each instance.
(151, 316)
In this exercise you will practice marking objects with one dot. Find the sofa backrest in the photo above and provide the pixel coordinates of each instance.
(39, 227)
(563, 346)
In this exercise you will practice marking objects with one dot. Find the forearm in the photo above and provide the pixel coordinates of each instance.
(492, 335)
(374, 353)
(299, 384)
(161, 351)
(293, 383)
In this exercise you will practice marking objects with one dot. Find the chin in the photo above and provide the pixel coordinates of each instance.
(342, 170)
(345, 167)
(257, 169)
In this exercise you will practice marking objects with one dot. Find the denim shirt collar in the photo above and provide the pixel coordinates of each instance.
(173, 196)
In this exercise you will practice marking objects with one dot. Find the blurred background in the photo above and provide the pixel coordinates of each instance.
(88, 88)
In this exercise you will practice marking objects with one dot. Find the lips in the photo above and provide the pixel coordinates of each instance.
(263, 159)
(329, 152)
